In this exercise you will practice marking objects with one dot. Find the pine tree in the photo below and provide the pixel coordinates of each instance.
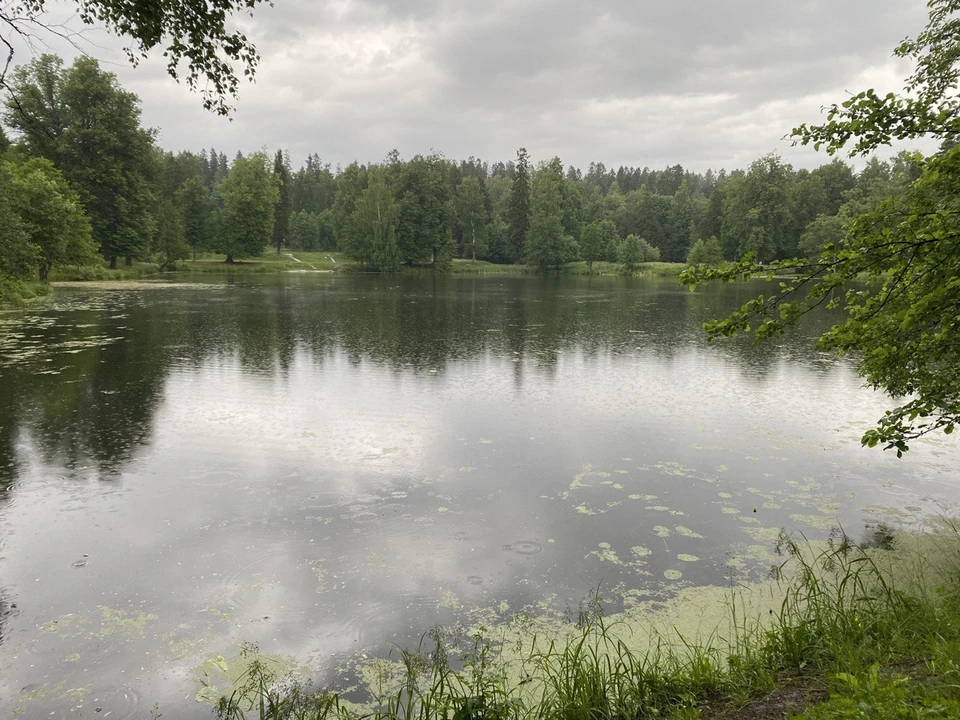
(518, 211)
(281, 214)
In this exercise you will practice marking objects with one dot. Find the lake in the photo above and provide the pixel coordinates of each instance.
(328, 465)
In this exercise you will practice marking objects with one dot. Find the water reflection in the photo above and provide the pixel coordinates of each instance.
(331, 464)
(84, 379)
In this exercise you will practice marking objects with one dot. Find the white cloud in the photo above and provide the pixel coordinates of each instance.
(702, 84)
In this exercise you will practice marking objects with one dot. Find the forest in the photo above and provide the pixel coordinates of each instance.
(83, 184)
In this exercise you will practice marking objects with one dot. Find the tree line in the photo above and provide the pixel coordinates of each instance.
(82, 182)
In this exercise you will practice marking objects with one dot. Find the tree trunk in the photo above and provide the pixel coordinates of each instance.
(589, 267)
(127, 261)
(229, 259)
(44, 271)
(113, 262)
(194, 253)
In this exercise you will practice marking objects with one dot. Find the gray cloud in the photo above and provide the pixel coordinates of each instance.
(705, 84)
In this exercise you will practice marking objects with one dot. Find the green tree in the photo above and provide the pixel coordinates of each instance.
(350, 185)
(682, 223)
(304, 230)
(374, 223)
(169, 244)
(89, 127)
(544, 246)
(18, 256)
(519, 208)
(423, 233)
(592, 244)
(313, 187)
(757, 215)
(196, 211)
(472, 217)
(281, 213)
(249, 196)
(51, 214)
(822, 231)
(708, 252)
(630, 254)
(903, 329)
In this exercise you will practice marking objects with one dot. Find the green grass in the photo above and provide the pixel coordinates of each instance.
(482, 267)
(268, 262)
(651, 269)
(14, 292)
(136, 271)
(879, 629)
(329, 261)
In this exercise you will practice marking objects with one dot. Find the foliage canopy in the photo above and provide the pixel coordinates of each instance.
(896, 269)
(195, 37)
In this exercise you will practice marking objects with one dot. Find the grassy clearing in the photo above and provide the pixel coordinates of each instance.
(857, 632)
(268, 262)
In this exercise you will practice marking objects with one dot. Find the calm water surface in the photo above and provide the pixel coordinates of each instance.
(329, 465)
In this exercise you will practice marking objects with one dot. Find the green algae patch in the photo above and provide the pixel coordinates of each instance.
(675, 469)
(606, 553)
(684, 557)
(104, 623)
(640, 551)
(661, 531)
(684, 531)
(218, 676)
(449, 600)
(695, 639)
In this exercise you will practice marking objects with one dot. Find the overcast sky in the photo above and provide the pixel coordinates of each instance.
(633, 82)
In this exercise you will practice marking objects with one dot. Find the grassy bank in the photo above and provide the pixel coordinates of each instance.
(652, 269)
(83, 273)
(324, 261)
(14, 293)
(268, 262)
(842, 632)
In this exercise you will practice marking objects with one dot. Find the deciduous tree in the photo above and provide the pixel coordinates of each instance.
(249, 196)
(903, 326)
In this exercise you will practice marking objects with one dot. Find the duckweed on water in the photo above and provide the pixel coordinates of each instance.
(449, 599)
(870, 625)
(105, 622)
(606, 553)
